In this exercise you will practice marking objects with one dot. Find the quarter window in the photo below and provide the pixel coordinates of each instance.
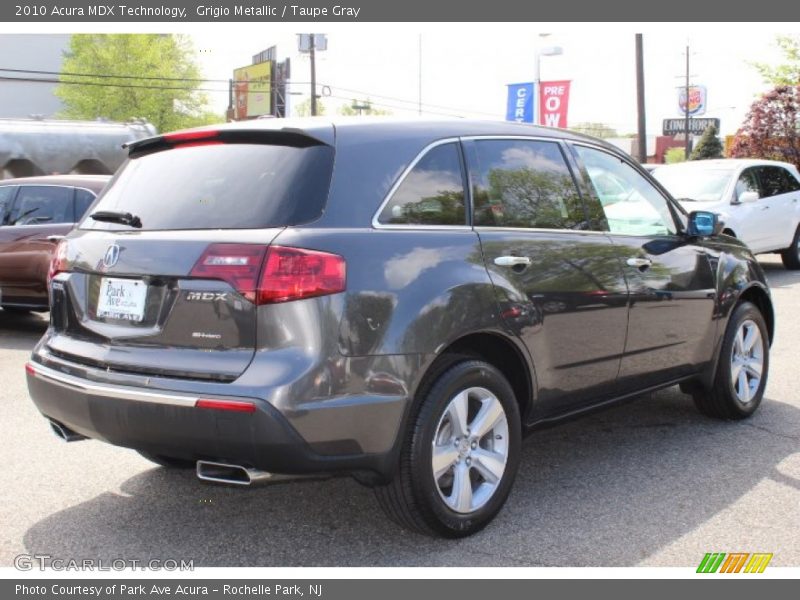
(83, 199)
(432, 193)
(524, 183)
(40, 205)
(747, 182)
(632, 205)
(6, 194)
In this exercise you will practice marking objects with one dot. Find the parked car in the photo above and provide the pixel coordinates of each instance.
(758, 200)
(240, 302)
(35, 213)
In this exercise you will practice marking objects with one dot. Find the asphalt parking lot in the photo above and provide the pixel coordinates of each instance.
(649, 483)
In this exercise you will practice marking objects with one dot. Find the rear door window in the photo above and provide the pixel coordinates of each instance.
(42, 205)
(776, 180)
(432, 193)
(524, 183)
(220, 186)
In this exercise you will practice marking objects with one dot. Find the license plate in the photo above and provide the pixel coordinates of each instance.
(122, 299)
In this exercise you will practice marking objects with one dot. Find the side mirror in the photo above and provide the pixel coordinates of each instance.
(703, 224)
(747, 197)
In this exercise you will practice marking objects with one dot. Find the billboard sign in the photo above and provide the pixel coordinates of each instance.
(519, 106)
(252, 88)
(696, 126)
(553, 103)
(697, 100)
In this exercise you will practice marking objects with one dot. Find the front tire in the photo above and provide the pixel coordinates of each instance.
(460, 455)
(742, 369)
(791, 255)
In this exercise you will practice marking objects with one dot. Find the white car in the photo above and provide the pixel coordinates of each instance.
(759, 200)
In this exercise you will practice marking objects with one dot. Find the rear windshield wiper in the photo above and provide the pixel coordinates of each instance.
(111, 216)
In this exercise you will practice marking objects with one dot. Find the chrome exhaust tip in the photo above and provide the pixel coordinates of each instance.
(65, 433)
(231, 474)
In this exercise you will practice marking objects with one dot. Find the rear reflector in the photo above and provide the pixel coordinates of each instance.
(229, 405)
(29, 369)
(285, 273)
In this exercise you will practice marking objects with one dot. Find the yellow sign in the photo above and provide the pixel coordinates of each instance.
(252, 90)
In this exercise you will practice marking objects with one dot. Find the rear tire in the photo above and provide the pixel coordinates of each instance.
(16, 310)
(168, 462)
(460, 454)
(791, 255)
(742, 369)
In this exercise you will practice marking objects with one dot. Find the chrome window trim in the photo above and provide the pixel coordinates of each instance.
(376, 224)
(490, 229)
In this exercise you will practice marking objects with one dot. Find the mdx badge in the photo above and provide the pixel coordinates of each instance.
(206, 296)
(111, 257)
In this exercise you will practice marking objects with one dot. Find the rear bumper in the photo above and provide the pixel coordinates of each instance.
(172, 424)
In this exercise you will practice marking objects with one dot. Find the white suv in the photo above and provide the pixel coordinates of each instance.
(759, 200)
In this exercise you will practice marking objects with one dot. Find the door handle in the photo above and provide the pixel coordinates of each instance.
(55, 238)
(639, 263)
(765, 207)
(512, 261)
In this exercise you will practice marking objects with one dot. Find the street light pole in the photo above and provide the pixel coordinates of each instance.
(312, 56)
(537, 66)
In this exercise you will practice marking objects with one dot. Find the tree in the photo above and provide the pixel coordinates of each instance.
(789, 72)
(304, 108)
(772, 127)
(90, 90)
(709, 145)
(362, 107)
(600, 130)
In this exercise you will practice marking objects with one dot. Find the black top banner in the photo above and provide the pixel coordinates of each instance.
(130, 11)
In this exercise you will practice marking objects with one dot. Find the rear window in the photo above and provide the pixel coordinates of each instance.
(220, 186)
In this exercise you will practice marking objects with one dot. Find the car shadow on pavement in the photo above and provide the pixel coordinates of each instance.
(21, 331)
(779, 276)
(607, 490)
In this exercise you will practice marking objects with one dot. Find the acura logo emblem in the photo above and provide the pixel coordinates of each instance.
(111, 257)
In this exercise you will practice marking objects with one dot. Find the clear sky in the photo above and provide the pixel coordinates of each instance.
(465, 67)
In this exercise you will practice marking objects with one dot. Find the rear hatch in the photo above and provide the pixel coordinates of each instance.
(165, 274)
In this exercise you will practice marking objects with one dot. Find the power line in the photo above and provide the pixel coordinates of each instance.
(107, 76)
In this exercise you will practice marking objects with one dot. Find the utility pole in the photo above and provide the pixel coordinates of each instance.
(686, 109)
(642, 128)
(312, 56)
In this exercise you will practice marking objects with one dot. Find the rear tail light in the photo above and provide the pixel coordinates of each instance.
(295, 273)
(266, 275)
(58, 262)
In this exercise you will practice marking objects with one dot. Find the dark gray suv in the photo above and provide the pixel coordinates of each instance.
(400, 301)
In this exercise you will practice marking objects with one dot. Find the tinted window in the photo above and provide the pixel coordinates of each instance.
(776, 180)
(45, 204)
(6, 194)
(523, 183)
(432, 193)
(220, 186)
(747, 182)
(83, 198)
(632, 204)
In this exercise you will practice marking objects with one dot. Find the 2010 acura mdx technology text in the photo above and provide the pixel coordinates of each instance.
(401, 301)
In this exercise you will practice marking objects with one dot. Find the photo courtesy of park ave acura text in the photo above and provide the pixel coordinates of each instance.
(290, 288)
